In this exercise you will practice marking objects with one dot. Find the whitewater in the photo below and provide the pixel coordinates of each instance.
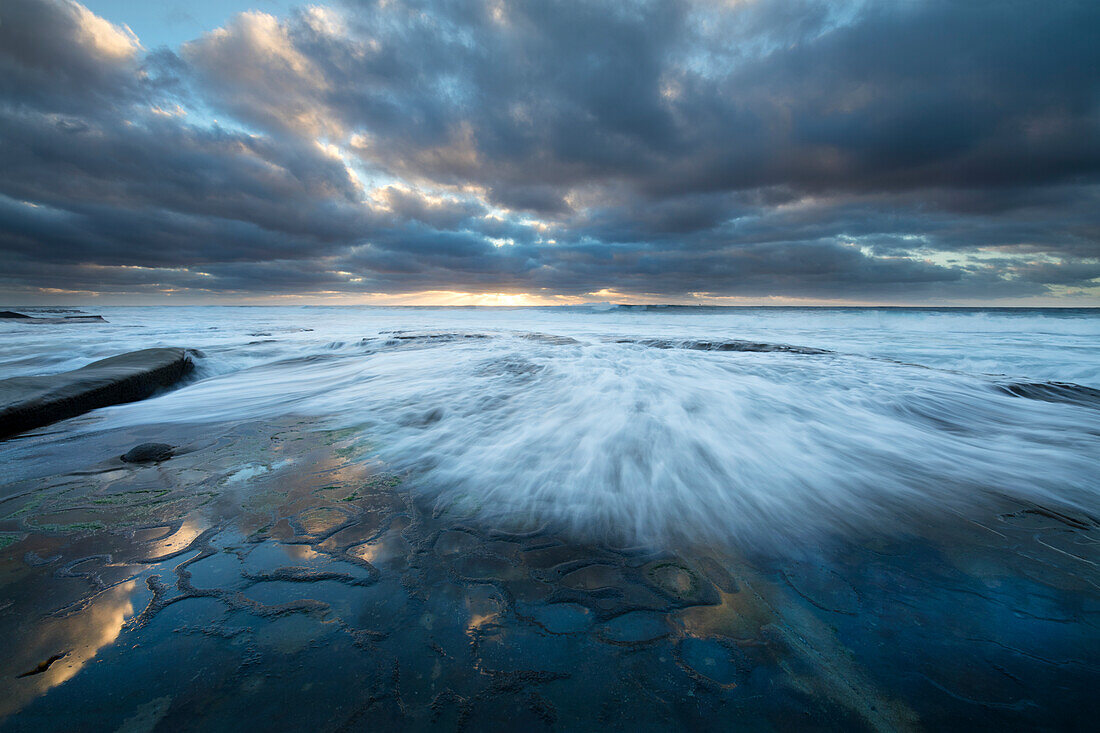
(755, 425)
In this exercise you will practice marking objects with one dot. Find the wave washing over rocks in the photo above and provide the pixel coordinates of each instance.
(870, 519)
(805, 423)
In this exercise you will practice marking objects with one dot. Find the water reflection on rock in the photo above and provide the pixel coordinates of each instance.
(317, 592)
(53, 650)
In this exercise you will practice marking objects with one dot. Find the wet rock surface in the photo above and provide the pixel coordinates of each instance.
(276, 575)
(726, 345)
(148, 453)
(1074, 394)
(31, 402)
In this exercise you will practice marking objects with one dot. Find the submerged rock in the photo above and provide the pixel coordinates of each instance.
(1074, 394)
(31, 402)
(731, 345)
(149, 452)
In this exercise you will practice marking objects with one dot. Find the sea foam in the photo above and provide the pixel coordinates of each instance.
(641, 426)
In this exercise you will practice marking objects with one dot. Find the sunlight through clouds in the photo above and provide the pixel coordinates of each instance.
(667, 148)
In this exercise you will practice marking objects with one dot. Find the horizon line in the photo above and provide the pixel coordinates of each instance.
(555, 305)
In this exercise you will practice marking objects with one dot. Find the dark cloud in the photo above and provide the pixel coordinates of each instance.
(922, 151)
(58, 56)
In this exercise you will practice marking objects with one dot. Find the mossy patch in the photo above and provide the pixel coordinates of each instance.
(74, 527)
(131, 497)
(8, 539)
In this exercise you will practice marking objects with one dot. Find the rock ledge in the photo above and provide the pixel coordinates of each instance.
(31, 402)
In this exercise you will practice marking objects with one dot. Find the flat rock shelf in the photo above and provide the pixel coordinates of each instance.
(31, 402)
(47, 320)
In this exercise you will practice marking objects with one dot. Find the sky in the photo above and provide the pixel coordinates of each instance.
(926, 152)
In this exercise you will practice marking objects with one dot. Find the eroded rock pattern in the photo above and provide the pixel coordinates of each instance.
(276, 576)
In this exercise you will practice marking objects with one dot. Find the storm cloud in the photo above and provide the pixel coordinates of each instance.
(673, 150)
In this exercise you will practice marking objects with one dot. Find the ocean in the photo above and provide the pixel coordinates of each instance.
(751, 424)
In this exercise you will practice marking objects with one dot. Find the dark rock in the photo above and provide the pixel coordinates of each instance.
(23, 318)
(76, 319)
(31, 402)
(734, 345)
(1074, 394)
(43, 666)
(149, 452)
(397, 337)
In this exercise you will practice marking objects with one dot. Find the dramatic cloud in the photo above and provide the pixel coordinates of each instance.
(930, 151)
